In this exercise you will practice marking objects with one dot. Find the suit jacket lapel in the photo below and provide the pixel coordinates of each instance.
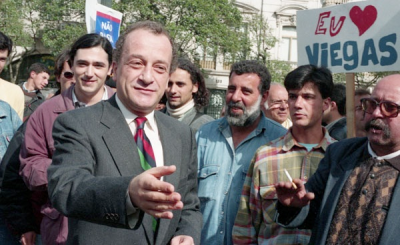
(338, 177)
(119, 140)
(172, 150)
(391, 228)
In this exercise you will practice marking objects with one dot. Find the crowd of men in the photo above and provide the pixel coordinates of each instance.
(95, 165)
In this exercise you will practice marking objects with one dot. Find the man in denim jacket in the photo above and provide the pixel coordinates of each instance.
(9, 124)
(226, 146)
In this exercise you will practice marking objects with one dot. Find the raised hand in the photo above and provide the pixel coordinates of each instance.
(289, 196)
(153, 196)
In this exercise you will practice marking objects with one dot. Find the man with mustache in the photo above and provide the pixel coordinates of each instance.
(299, 152)
(354, 196)
(226, 146)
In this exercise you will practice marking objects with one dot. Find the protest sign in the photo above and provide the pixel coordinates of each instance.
(108, 23)
(352, 37)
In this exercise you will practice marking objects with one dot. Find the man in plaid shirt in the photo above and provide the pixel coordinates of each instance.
(299, 152)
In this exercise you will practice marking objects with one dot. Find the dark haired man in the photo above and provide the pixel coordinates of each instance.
(62, 72)
(39, 76)
(353, 197)
(359, 114)
(122, 172)
(90, 60)
(9, 92)
(299, 152)
(187, 94)
(335, 117)
(226, 146)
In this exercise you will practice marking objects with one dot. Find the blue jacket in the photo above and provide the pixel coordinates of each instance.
(222, 171)
(9, 124)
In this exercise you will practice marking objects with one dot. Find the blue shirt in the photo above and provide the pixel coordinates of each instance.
(9, 124)
(222, 171)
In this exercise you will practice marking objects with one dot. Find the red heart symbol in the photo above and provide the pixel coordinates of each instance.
(363, 19)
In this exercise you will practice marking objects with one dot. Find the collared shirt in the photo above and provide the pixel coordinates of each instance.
(150, 129)
(222, 171)
(386, 157)
(75, 99)
(254, 223)
(26, 90)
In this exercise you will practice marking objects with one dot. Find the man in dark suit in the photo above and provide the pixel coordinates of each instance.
(96, 178)
(354, 196)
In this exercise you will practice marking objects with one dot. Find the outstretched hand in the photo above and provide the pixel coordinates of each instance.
(289, 196)
(153, 196)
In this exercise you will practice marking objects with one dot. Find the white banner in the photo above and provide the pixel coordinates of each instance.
(352, 37)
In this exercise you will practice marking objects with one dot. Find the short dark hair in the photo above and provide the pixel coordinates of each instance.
(89, 41)
(60, 60)
(38, 68)
(5, 43)
(253, 66)
(202, 96)
(321, 77)
(361, 92)
(339, 96)
(151, 26)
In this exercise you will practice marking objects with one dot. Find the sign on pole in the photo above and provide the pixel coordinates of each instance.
(103, 20)
(352, 37)
(108, 22)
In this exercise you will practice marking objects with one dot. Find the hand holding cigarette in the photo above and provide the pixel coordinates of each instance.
(292, 194)
(290, 179)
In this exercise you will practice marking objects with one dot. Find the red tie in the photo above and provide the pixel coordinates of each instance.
(147, 159)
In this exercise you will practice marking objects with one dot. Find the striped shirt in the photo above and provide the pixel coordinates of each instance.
(254, 222)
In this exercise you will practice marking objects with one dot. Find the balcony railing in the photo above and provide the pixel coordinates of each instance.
(207, 64)
(334, 2)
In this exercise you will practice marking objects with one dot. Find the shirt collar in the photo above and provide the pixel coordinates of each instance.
(386, 157)
(129, 116)
(290, 141)
(75, 99)
(26, 90)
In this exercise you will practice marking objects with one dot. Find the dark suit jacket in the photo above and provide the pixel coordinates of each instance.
(95, 159)
(327, 183)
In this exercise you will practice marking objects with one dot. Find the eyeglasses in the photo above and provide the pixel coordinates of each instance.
(388, 108)
(68, 75)
(279, 103)
(358, 108)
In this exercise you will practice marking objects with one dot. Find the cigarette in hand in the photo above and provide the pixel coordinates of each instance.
(290, 179)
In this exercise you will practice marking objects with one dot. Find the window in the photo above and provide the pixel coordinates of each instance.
(288, 44)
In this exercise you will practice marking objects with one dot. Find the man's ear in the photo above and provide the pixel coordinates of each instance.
(326, 104)
(32, 74)
(264, 97)
(195, 88)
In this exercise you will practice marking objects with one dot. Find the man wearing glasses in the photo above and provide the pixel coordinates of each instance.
(276, 106)
(354, 195)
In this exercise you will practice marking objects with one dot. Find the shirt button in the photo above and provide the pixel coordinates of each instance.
(364, 192)
(372, 176)
(221, 232)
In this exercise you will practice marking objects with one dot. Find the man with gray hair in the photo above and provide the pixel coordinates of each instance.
(276, 106)
(226, 146)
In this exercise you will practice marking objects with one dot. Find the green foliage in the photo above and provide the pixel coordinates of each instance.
(192, 23)
(279, 70)
(363, 79)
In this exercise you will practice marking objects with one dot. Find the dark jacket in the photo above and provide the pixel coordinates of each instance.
(32, 101)
(15, 197)
(327, 183)
(95, 159)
